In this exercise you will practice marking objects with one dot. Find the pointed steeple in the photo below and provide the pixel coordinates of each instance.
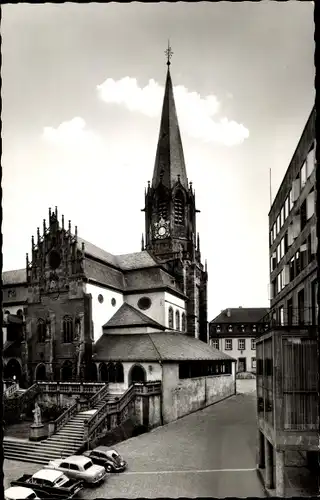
(169, 163)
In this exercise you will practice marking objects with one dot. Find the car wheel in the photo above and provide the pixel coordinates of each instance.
(108, 468)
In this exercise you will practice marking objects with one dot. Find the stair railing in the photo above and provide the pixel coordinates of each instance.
(64, 418)
(12, 389)
(98, 396)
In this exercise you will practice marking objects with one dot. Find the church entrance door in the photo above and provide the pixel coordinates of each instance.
(66, 372)
(137, 374)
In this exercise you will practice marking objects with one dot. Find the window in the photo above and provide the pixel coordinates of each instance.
(113, 301)
(301, 307)
(183, 322)
(67, 329)
(303, 215)
(215, 343)
(253, 363)
(230, 328)
(281, 316)
(254, 328)
(243, 328)
(274, 230)
(253, 344)
(241, 344)
(290, 201)
(296, 189)
(162, 209)
(177, 320)
(278, 224)
(64, 465)
(170, 317)
(74, 467)
(273, 261)
(291, 269)
(179, 208)
(298, 263)
(281, 248)
(100, 298)
(278, 254)
(41, 331)
(303, 175)
(314, 302)
(303, 256)
(285, 209)
(310, 161)
(290, 311)
(286, 245)
(228, 344)
(282, 217)
(218, 329)
(144, 303)
(310, 204)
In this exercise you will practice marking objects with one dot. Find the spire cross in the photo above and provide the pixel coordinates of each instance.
(168, 52)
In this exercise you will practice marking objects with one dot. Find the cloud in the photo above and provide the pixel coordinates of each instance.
(196, 114)
(70, 133)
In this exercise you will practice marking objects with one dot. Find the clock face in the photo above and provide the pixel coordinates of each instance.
(162, 231)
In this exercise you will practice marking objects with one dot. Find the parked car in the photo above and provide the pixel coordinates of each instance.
(20, 493)
(111, 460)
(48, 483)
(79, 467)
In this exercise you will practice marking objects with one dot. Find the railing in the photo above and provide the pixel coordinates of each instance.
(291, 317)
(12, 389)
(71, 387)
(98, 396)
(99, 421)
(63, 419)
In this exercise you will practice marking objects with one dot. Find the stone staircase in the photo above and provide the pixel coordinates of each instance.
(67, 441)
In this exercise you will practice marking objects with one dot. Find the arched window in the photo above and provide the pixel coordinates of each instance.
(162, 209)
(183, 322)
(177, 320)
(119, 372)
(111, 372)
(67, 329)
(41, 330)
(179, 208)
(103, 373)
(66, 371)
(40, 372)
(137, 374)
(170, 317)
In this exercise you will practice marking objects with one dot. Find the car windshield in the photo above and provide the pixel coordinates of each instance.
(31, 496)
(60, 481)
(88, 465)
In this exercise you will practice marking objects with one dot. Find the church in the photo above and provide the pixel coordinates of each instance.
(79, 313)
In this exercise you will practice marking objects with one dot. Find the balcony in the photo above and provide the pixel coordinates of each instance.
(287, 387)
(292, 319)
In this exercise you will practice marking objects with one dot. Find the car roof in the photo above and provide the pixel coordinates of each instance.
(104, 449)
(18, 491)
(50, 474)
(77, 459)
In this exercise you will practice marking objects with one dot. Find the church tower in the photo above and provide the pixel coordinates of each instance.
(170, 216)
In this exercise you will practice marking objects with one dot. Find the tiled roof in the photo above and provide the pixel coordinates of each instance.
(104, 274)
(137, 260)
(241, 315)
(165, 346)
(149, 278)
(14, 277)
(127, 315)
(97, 252)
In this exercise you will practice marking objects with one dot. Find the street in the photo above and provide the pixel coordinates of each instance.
(208, 453)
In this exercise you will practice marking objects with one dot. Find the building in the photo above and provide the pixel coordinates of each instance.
(234, 332)
(91, 315)
(287, 360)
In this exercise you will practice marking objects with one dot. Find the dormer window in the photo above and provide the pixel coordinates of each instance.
(242, 328)
(230, 328)
(254, 328)
(218, 329)
(179, 208)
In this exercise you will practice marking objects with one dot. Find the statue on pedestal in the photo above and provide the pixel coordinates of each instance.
(37, 415)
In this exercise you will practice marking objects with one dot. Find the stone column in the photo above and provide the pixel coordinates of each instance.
(280, 478)
(269, 483)
(260, 451)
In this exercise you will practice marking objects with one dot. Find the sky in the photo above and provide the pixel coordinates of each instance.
(82, 89)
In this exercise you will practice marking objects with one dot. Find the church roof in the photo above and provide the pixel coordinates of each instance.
(137, 260)
(241, 315)
(14, 277)
(127, 316)
(97, 252)
(162, 346)
(169, 162)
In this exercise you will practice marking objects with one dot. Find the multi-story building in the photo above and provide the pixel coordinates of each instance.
(287, 364)
(234, 332)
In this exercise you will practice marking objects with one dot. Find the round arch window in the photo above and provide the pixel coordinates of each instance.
(100, 298)
(113, 301)
(144, 303)
(54, 259)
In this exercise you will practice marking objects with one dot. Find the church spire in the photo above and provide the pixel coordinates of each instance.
(169, 163)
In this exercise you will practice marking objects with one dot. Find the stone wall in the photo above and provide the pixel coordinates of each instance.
(183, 396)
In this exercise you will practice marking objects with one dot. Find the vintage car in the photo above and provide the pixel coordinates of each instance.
(109, 459)
(20, 493)
(48, 483)
(79, 467)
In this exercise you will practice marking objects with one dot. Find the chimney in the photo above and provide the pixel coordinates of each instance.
(229, 313)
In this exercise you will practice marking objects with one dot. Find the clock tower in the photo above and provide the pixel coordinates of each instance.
(170, 216)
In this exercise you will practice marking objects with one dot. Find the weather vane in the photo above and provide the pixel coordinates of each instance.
(168, 52)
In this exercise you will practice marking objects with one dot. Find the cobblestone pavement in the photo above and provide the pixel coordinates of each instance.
(208, 453)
